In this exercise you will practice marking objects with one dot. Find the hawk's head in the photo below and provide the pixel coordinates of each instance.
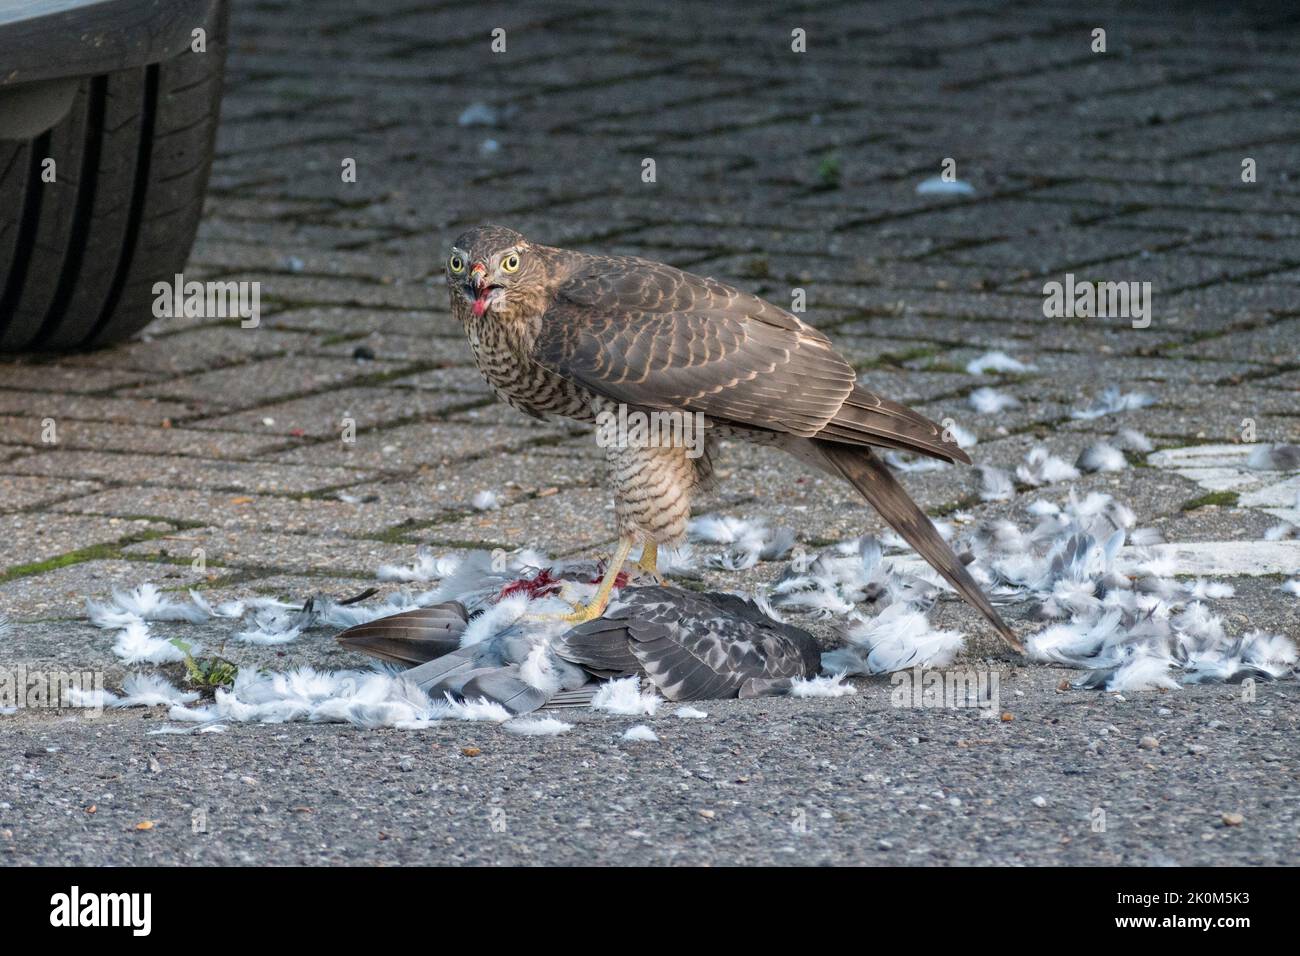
(495, 270)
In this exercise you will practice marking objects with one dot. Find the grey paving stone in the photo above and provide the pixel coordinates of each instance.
(185, 472)
(32, 539)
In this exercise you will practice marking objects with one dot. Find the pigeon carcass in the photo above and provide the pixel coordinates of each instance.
(691, 646)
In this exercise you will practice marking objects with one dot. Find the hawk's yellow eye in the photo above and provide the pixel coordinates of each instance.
(510, 263)
(456, 263)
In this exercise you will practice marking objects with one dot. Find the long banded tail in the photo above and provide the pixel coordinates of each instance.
(878, 485)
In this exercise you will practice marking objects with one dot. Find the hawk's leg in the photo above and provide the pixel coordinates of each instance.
(649, 562)
(583, 613)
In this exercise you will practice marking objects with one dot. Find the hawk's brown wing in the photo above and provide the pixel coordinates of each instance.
(647, 334)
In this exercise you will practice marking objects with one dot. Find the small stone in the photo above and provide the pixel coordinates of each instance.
(406, 764)
(1039, 801)
(1164, 712)
(884, 846)
(707, 814)
(470, 751)
(1233, 819)
(1007, 716)
(1148, 743)
(363, 353)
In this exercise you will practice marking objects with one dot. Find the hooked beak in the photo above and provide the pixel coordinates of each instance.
(478, 276)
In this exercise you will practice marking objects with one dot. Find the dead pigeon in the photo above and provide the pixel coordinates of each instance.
(691, 646)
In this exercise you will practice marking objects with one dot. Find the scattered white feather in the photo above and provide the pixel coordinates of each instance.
(1041, 467)
(914, 464)
(678, 562)
(964, 437)
(1101, 456)
(1282, 532)
(366, 699)
(995, 484)
(988, 401)
(425, 567)
(718, 529)
(689, 713)
(266, 637)
(1292, 586)
(486, 500)
(624, 696)
(897, 638)
(146, 603)
(1130, 439)
(1275, 458)
(640, 733)
(826, 685)
(536, 726)
(1143, 672)
(495, 619)
(1202, 590)
(150, 690)
(138, 690)
(996, 362)
(1112, 400)
(1145, 537)
(136, 645)
(1273, 653)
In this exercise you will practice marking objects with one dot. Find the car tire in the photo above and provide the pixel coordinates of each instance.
(79, 256)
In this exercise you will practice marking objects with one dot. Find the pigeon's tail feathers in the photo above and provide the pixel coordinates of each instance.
(411, 637)
(579, 697)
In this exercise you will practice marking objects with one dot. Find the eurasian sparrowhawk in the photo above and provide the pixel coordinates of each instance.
(557, 332)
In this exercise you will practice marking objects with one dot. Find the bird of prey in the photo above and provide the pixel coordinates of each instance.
(558, 332)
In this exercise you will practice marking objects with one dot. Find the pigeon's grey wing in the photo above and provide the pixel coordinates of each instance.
(600, 646)
(765, 687)
(787, 651)
(790, 651)
(682, 670)
(503, 686)
(445, 669)
(410, 637)
(688, 647)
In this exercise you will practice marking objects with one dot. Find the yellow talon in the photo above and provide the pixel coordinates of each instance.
(649, 562)
(582, 613)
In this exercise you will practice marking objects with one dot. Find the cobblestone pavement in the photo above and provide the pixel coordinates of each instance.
(774, 170)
